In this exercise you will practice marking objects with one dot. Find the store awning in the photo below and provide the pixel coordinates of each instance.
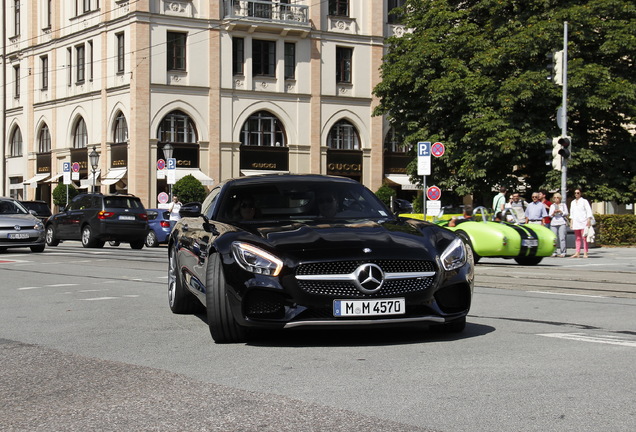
(55, 177)
(247, 172)
(36, 178)
(196, 173)
(113, 176)
(88, 182)
(401, 179)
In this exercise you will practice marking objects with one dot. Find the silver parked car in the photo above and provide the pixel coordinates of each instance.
(19, 227)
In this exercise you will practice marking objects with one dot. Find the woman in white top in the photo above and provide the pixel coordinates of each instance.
(559, 224)
(580, 217)
(174, 208)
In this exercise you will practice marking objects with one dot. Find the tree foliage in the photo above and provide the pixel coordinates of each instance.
(189, 189)
(472, 74)
(59, 194)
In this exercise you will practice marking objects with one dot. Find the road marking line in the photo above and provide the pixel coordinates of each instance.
(581, 337)
(568, 294)
(28, 288)
(100, 298)
(61, 285)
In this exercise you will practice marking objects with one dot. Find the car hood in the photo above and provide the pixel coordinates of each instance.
(10, 220)
(401, 239)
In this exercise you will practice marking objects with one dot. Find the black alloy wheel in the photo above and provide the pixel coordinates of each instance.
(223, 326)
(179, 299)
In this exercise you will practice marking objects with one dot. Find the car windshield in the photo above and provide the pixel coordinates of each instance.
(12, 207)
(122, 202)
(300, 201)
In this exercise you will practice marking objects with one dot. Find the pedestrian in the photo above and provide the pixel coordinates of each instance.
(174, 208)
(543, 197)
(499, 201)
(535, 212)
(518, 206)
(580, 218)
(559, 224)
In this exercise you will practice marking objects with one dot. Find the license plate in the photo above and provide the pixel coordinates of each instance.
(126, 217)
(368, 307)
(530, 242)
(19, 236)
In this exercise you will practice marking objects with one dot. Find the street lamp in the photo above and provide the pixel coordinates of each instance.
(168, 149)
(93, 158)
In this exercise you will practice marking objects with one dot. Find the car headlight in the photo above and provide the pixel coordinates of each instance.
(256, 260)
(39, 226)
(455, 255)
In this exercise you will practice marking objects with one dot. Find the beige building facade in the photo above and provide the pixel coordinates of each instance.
(235, 87)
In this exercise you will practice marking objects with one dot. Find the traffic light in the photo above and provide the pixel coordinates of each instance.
(564, 151)
(556, 156)
(556, 67)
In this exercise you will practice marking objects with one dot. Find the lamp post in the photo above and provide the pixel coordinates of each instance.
(93, 158)
(168, 149)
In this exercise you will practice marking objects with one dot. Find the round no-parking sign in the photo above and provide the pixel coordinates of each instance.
(163, 197)
(438, 149)
(433, 193)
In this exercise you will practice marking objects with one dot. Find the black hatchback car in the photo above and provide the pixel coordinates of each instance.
(40, 209)
(96, 218)
(283, 251)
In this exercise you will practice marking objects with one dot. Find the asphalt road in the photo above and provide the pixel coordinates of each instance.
(87, 342)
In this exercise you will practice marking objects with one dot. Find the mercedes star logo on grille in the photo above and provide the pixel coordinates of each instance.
(369, 278)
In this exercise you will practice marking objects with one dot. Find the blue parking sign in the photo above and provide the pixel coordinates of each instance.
(171, 163)
(424, 148)
(66, 167)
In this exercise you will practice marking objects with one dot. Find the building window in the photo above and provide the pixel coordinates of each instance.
(393, 144)
(394, 18)
(343, 136)
(121, 129)
(177, 127)
(80, 53)
(49, 11)
(263, 58)
(339, 8)
(260, 9)
(263, 129)
(120, 53)
(69, 66)
(44, 61)
(176, 51)
(290, 60)
(343, 64)
(44, 142)
(90, 60)
(80, 135)
(16, 143)
(16, 17)
(238, 56)
(16, 80)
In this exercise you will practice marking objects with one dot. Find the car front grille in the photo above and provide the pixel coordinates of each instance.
(348, 289)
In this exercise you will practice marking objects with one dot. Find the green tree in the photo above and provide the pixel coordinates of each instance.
(189, 189)
(59, 194)
(472, 74)
(385, 193)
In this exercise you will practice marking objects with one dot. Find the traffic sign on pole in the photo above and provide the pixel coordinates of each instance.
(438, 149)
(424, 158)
(433, 193)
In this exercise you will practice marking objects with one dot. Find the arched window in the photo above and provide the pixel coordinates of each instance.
(16, 143)
(80, 135)
(343, 136)
(177, 127)
(44, 140)
(120, 133)
(393, 143)
(263, 129)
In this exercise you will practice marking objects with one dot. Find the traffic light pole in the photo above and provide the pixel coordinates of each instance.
(564, 117)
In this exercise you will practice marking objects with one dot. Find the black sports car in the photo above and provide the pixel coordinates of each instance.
(282, 251)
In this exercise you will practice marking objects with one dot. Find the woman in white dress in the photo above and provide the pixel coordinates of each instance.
(580, 218)
(559, 224)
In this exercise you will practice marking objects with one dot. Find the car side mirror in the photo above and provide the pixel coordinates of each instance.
(33, 212)
(190, 210)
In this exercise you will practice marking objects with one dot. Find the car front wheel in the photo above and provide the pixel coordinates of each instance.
(51, 239)
(38, 248)
(179, 299)
(223, 326)
(137, 244)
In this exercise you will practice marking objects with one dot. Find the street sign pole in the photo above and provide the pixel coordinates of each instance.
(564, 118)
(424, 168)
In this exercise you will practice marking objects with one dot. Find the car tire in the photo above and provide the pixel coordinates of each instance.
(3, 249)
(137, 244)
(39, 248)
(530, 261)
(455, 326)
(51, 238)
(223, 326)
(179, 299)
(151, 239)
(88, 239)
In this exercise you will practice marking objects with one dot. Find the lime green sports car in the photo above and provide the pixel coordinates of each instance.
(527, 244)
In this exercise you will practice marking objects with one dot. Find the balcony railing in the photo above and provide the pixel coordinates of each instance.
(271, 11)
